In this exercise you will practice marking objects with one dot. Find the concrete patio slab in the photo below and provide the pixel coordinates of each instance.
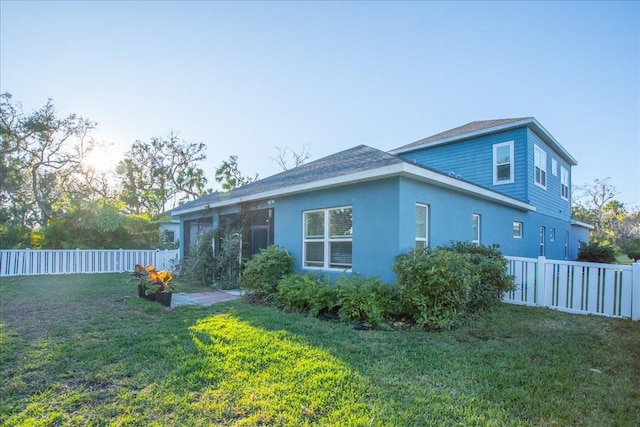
(203, 298)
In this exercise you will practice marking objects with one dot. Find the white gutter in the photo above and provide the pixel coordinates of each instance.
(582, 224)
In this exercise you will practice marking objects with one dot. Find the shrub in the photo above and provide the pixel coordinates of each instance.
(365, 300)
(632, 249)
(434, 286)
(309, 294)
(263, 272)
(596, 252)
(200, 266)
(487, 292)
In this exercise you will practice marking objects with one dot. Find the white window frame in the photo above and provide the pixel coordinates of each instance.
(326, 240)
(552, 234)
(518, 228)
(554, 167)
(496, 147)
(422, 242)
(475, 237)
(540, 164)
(564, 183)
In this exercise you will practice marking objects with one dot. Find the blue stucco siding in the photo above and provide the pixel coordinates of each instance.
(473, 160)
(375, 224)
(548, 201)
(384, 223)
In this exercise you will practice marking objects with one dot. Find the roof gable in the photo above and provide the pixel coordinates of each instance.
(486, 127)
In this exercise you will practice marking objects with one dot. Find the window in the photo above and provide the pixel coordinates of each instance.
(328, 235)
(552, 235)
(564, 183)
(566, 245)
(542, 231)
(422, 226)
(554, 167)
(517, 230)
(540, 167)
(503, 163)
(475, 239)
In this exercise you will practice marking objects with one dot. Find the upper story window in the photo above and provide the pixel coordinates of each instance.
(328, 236)
(540, 166)
(475, 235)
(422, 226)
(503, 163)
(564, 183)
(554, 167)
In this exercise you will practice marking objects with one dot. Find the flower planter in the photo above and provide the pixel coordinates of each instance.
(164, 298)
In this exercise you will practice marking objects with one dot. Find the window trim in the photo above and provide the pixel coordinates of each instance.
(476, 217)
(520, 229)
(540, 162)
(564, 176)
(326, 240)
(426, 226)
(496, 164)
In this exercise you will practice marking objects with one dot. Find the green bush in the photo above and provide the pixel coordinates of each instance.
(310, 294)
(200, 266)
(263, 272)
(435, 286)
(596, 252)
(632, 249)
(494, 281)
(365, 299)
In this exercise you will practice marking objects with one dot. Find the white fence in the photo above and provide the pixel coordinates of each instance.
(71, 261)
(576, 287)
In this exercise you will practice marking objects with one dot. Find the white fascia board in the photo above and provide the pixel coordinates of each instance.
(366, 175)
(553, 143)
(463, 136)
(404, 169)
(421, 174)
(582, 224)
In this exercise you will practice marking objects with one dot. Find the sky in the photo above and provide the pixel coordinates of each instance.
(246, 77)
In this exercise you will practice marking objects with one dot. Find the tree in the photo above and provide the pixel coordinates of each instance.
(40, 159)
(613, 224)
(158, 174)
(229, 175)
(100, 224)
(282, 160)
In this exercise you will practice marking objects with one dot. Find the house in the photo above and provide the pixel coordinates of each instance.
(170, 230)
(505, 182)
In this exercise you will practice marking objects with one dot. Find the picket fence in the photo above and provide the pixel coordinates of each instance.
(576, 287)
(31, 262)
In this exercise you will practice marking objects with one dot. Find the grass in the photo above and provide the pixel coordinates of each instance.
(84, 350)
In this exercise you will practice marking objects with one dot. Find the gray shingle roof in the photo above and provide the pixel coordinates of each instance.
(461, 130)
(356, 159)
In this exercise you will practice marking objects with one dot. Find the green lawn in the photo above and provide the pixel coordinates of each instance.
(84, 350)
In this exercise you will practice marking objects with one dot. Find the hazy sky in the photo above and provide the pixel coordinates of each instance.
(245, 77)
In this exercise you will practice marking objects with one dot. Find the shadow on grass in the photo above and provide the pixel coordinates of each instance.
(109, 358)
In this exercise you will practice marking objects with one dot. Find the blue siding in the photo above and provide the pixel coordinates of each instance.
(375, 224)
(473, 160)
(384, 223)
(548, 201)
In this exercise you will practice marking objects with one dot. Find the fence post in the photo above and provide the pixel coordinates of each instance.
(541, 289)
(635, 291)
